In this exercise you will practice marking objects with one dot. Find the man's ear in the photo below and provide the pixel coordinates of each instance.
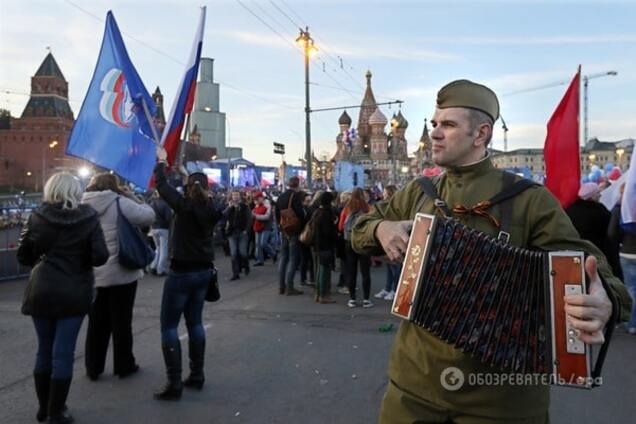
(483, 135)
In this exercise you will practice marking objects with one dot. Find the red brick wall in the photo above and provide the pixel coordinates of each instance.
(25, 148)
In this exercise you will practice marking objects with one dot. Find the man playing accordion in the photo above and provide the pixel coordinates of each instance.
(462, 128)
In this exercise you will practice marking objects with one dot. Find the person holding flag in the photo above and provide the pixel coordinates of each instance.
(191, 243)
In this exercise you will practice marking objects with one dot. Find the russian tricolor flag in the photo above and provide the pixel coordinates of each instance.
(171, 136)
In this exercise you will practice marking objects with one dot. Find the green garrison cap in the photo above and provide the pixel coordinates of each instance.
(464, 93)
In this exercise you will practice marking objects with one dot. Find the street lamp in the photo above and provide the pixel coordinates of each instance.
(51, 145)
(307, 44)
(620, 153)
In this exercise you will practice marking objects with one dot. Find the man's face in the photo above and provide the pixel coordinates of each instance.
(307, 201)
(236, 196)
(452, 137)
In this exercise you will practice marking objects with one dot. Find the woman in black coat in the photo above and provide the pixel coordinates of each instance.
(325, 239)
(191, 256)
(62, 241)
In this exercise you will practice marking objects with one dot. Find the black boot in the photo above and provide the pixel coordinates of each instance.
(173, 388)
(197, 355)
(236, 268)
(58, 393)
(42, 388)
(246, 265)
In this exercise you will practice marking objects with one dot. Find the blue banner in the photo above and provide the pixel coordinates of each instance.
(112, 130)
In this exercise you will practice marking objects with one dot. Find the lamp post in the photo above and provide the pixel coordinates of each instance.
(51, 145)
(307, 44)
(586, 79)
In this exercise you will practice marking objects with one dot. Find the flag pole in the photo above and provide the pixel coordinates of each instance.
(151, 122)
(181, 151)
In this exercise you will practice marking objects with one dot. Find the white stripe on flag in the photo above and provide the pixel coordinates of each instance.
(191, 63)
(628, 207)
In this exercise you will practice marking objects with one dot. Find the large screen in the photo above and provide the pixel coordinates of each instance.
(268, 179)
(214, 175)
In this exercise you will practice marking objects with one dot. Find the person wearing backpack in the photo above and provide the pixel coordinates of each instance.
(290, 215)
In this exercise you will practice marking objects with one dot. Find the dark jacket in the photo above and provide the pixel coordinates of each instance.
(297, 204)
(626, 240)
(591, 219)
(62, 246)
(325, 229)
(163, 213)
(238, 218)
(191, 231)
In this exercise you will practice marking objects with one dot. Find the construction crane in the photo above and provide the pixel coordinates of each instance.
(586, 79)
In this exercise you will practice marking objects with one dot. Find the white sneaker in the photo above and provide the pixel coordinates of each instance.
(343, 290)
(390, 296)
(381, 294)
(352, 303)
(631, 330)
(367, 304)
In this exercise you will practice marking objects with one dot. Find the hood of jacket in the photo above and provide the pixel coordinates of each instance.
(55, 214)
(99, 200)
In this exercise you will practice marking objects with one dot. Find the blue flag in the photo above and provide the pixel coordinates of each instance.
(112, 129)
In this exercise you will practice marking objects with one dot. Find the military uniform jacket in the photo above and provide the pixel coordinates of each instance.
(418, 358)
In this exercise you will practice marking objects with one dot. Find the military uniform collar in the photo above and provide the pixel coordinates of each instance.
(471, 171)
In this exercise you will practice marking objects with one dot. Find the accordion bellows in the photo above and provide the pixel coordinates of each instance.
(499, 303)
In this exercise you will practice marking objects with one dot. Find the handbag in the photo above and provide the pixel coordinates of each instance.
(307, 235)
(134, 252)
(213, 294)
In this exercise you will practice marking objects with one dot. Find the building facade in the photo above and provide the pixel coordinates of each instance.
(34, 145)
(206, 113)
(595, 152)
(383, 155)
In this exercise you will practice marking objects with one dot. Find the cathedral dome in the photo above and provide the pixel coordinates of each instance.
(377, 118)
(345, 119)
(401, 121)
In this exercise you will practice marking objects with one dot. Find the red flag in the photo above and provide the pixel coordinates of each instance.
(561, 150)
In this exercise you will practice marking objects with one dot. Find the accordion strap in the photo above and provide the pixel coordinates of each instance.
(609, 329)
(429, 188)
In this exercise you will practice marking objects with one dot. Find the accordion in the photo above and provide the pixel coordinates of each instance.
(499, 303)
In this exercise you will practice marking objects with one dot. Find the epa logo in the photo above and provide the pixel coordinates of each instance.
(452, 379)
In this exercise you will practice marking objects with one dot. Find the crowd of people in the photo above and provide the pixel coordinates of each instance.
(73, 242)
(75, 236)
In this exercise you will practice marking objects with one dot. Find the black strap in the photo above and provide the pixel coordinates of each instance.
(505, 208)
(429, 188)
(512, 190)
(609, 329)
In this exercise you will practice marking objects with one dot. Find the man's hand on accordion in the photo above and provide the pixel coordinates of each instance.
(588, 313)
(394, 238)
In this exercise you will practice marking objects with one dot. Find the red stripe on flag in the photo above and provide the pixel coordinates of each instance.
(561, 150)
(190, 102)
(173, 140)
(119, 95)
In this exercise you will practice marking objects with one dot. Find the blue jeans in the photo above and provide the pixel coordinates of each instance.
(56, 345)
(289, 260)
(392, 276)
(263, 246)
(629, 275)
(183, 293)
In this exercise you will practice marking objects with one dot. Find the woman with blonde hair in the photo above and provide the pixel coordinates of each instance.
(112, 312)
(62, 242)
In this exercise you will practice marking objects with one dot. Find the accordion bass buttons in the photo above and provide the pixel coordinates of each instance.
(574, 345)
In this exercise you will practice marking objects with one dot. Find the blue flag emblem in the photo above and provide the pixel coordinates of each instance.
(112, 129)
